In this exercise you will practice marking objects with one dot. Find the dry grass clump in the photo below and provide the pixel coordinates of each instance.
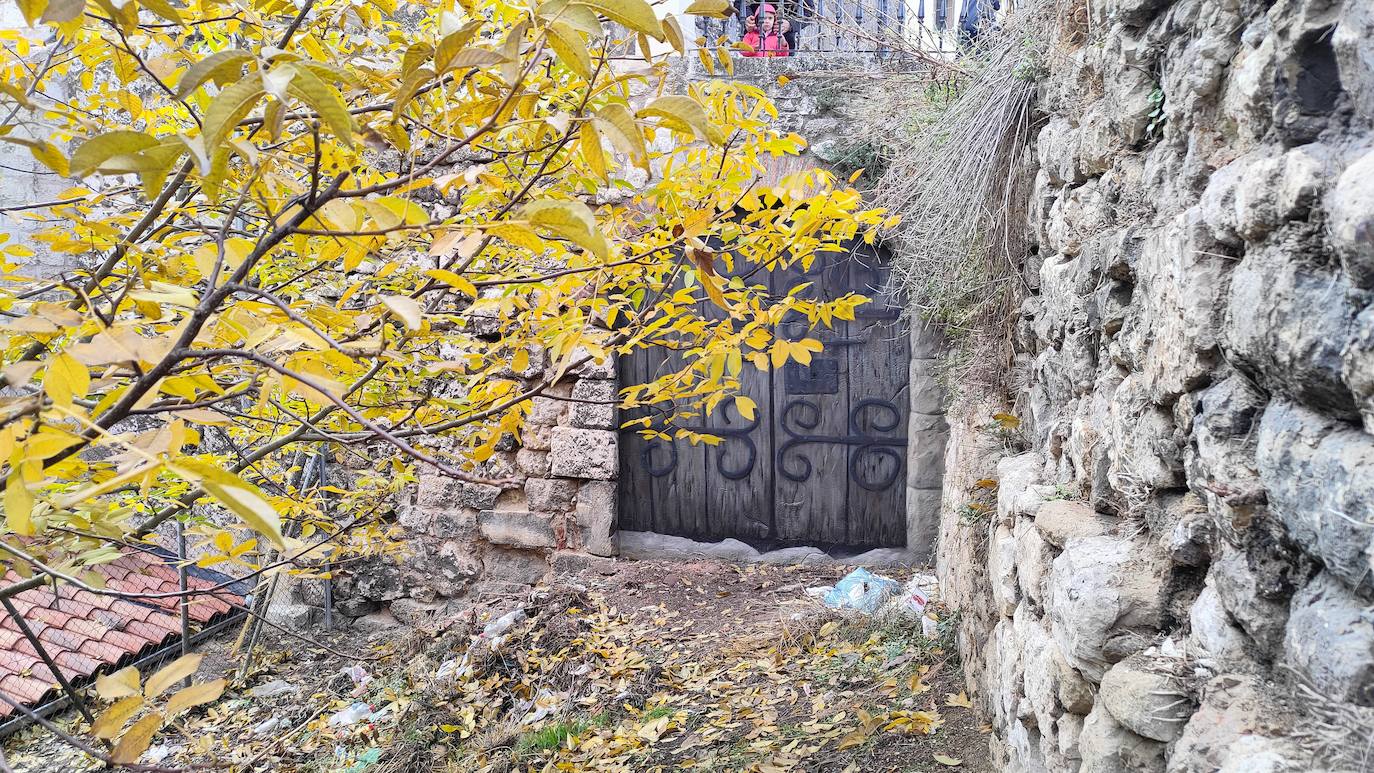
(1338, 735)
(953, 142)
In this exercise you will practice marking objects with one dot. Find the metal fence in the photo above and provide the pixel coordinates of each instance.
(851, 26)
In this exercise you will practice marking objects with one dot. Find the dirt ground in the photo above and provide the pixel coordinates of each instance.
(634, 666)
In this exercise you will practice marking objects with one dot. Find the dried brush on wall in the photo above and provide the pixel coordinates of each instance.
(956, 168)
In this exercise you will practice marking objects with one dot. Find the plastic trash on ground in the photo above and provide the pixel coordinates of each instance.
(496, 628)
(861, 590)
(351, 715)
(914, 598)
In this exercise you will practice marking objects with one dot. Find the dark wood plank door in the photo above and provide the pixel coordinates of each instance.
(824, 460)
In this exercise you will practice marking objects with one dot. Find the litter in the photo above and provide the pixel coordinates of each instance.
(503, 623)
(860, 590)
(914, 597)
(272, 689)
(269, 726)
(360, 678)
(351, 715)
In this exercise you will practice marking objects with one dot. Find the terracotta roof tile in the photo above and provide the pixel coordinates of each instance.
(87, 633)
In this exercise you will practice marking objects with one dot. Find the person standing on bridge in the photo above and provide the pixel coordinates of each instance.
(763, 33)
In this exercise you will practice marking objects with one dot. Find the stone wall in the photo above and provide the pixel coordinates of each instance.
(1177, 574)
(557, 508)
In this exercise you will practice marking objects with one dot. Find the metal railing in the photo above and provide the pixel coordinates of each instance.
(851, 26)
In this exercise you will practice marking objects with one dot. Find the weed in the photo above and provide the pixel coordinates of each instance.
(1156, 125)
(551, 737)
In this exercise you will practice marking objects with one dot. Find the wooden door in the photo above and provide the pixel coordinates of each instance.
(824, 460)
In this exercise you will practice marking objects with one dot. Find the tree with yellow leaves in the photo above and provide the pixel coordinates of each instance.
(299, 222)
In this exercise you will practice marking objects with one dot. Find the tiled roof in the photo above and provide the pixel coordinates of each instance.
(86, 633)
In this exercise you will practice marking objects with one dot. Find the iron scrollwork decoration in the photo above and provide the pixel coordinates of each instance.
(729, 435)
(801, 416)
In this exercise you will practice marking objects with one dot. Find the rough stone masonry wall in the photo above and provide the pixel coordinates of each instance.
(560, 506)
(1189, 539)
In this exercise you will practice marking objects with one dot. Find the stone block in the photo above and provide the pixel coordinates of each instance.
(532, 463)
(548, 410)
(1215, 641)
(1351, 221)
(923, 508)
(1146, 693)
(437, 492)
(594, 404)
(1017, 475)
(1319, 475)
(414, 612)
(584, 453)
(517, 529)
(926, 394)
(1033, 559)
(1245, 595)
(572, 562)
(593, 368)
(457, 524)
(1002, 570)
(1107, 747)
(1353, 43)
(550, 495)
(1287, 322)
(1330, 640)
(1106, 600)
(596, 517)
(925, 448)
(519, 567)
(1061, 520)
(1233, 707)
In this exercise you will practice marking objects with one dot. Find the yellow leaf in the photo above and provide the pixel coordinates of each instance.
(592, 153)
(32, 9)
(136, 741)
(48, 155)
(94, 152)
(453, 280)
(18, 505)
(112, 720)
(854, 738)
(950, 761)
(218, 66)
(717, 8)
(567, 43)
(239, 496)
(326, 101)
(452, 43)
(745, 406)
(521, 361)
(572, 220)
(684, 114)
(960, 700)
(672, 32)
(172, 673)
(195, 695)
(1006, 420)
(618, 124)
(405, 309)
(228, 108)
(117, 685)
(635, 14)
(66, 379)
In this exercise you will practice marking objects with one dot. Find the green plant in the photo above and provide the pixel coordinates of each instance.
(1156, 116)
(551, 737)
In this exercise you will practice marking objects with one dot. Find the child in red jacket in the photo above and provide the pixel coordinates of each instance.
(764, 33)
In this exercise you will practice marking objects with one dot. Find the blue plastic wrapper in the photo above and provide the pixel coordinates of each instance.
(861, 590)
